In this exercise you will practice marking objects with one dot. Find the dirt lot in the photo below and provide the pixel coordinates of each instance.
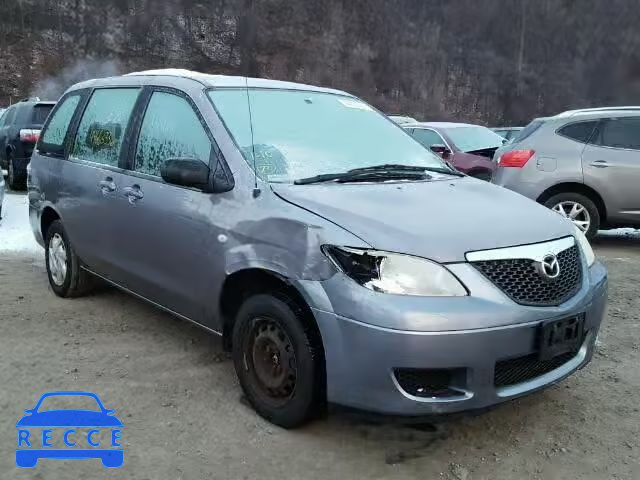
(183, 416)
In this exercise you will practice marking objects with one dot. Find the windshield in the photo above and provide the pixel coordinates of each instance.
(469, 139)
(300, 134)
(64, 402)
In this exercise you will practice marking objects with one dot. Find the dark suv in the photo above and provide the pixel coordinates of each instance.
(19, 131)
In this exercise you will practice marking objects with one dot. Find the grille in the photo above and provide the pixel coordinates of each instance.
(520, 280)
(427, 382)
(522, 369)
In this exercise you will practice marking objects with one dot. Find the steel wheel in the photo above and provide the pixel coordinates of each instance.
(57, 259)
(270, 355)
(575, 212)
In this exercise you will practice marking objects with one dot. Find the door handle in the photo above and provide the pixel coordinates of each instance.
(599, 164)
(107, 185)
(133, 193)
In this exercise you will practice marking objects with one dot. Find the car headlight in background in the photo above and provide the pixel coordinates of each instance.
(394, 273)
(585, 246)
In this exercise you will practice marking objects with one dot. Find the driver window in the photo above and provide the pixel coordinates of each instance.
(170, 129)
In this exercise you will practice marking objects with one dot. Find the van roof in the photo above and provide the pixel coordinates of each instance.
(210, 80)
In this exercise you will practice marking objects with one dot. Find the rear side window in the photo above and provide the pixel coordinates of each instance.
(40, 114)
(427, 137)
(620, 133)
(101, 130)
(580, 131)
(170, 129)
(52, 139)
(528, 130)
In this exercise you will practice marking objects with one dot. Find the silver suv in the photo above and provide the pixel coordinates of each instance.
(584, 164)
(267, 212)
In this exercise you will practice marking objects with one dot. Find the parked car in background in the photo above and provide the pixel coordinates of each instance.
(508, 133)
(360, 271)
(401, 120)
(467, 147)
(584, 164)
(19, 131)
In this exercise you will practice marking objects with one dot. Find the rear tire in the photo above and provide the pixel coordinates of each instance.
(16, 180)
(66, 277)
(564, 202)
(277, 360)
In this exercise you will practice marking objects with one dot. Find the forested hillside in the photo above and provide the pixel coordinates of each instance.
(491, 61)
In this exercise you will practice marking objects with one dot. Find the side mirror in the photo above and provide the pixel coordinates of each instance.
(440, 149)
(186, 172)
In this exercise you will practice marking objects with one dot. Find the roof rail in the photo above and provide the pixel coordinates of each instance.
(30, 99)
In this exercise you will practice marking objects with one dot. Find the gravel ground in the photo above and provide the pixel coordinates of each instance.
(184, 418)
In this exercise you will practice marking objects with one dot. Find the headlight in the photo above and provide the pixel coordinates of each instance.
(395, 273)
(585, 246)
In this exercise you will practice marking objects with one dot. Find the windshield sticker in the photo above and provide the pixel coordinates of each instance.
(355, 104)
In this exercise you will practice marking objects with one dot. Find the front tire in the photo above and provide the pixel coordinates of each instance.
(66, 277)
(579, 209)
(278, 360)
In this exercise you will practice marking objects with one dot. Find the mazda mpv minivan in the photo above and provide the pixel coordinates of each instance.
(339, 259)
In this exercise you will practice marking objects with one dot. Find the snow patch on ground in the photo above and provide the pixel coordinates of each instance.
(15, 231)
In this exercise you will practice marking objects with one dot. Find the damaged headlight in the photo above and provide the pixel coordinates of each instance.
(585, 246)
(395, 273)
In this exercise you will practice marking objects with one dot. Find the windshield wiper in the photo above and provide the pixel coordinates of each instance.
(407, 168)
(364, 175)
(446, 171)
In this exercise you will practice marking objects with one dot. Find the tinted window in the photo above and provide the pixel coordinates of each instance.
(427, 137)
(528, 130)
(581, 131)
(170, 129)
(57, 128)
(101, 130)
(621, 133)
(40, 114)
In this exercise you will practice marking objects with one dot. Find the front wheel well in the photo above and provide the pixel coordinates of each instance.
(576, 188)
(48, 216)
(241, 285)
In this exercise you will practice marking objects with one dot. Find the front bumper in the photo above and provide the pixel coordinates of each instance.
(361, 355)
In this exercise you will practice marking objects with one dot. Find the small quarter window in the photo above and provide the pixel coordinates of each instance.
(580, 131)
(56, 131)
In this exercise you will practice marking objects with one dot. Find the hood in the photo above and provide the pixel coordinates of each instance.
(440, 220)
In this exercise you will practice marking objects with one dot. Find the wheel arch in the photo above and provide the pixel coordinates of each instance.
(241, 284)
(47, 217)
(581, 188)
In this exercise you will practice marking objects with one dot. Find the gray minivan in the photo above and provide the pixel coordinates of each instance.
(339, 260)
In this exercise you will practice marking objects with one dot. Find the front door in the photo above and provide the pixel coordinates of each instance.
(165, 233)
(611, 165)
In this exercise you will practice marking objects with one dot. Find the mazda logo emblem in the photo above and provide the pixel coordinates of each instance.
(550, 267)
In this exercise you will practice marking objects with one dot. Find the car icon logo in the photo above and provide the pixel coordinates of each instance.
(40, 428)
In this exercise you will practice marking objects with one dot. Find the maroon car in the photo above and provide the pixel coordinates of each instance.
(469, 148)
